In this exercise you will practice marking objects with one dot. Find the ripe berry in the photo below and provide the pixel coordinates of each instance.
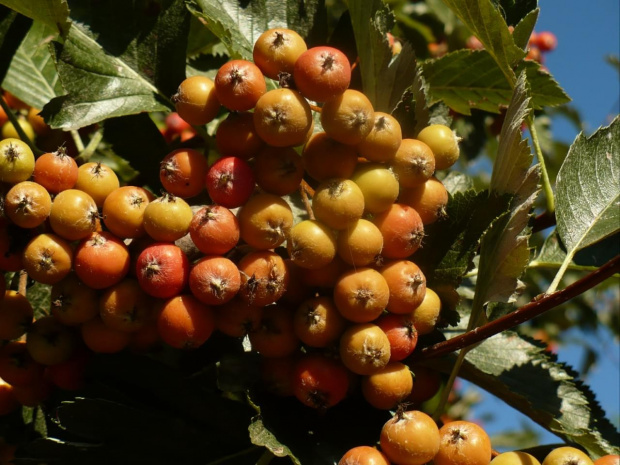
(320, 382)
(239, 84)
(196, 101)
(277, 50)
(443, 142)
(282, 118)
(230, 182)
(348, 118)
(322, 73)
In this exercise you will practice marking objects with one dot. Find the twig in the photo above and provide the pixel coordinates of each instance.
(543, 167)
(543, 221)
(306, 190)
(23, 283)
(536, 307)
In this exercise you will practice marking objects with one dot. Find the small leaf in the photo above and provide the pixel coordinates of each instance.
(53, 13)
(488, 25)
(384, 77)
(261, 436)
(33, 59)
(588, 195)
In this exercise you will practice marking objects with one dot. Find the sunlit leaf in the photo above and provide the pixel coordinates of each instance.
(53, 13)
(33, 59)
(588, 193)
(486, 23)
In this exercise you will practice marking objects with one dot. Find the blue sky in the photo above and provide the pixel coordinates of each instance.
(587, 31)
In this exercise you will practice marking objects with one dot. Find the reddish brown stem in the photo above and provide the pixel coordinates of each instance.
(531, 310)
(543, 221)
(23, 283)
(307, 191)
(355, 63)
(315, 108)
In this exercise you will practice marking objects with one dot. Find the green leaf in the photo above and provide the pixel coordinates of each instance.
(588, 193)
(514, 156)
(450, 245)
(553, 254)
(456, 79)
(384, 77)
(544, 89)
(13, 28)
(53, 13)
(527, 377)
(488, 25)
(33, 59)
(239, 24)
(504, 251)
(261, 436)
(525, 27)
(129, 69)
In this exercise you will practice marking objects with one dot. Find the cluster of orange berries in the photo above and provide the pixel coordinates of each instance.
(128, 269)
(412, 438)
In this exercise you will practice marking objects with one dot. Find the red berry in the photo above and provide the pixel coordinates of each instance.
(230, 182)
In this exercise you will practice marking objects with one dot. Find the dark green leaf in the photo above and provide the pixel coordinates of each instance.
(527, 377)
(13, 28)
(39, 297)
(587, 189)
(450, 245)
(486, 23)
(53, 13)
(457, 80)
(33, 59)
(524, 28)
(239, 24)
(384, 77)
(132, 68)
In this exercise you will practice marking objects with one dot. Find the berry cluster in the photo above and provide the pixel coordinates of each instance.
(332, 303)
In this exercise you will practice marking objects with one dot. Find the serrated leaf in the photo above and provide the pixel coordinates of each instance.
(514, 156)
(450, 245)
(488, 25)
(457, 80)
(33, 59)
(239, 24)
(527, 377)
(132, 68)
(384, 77)
(504, 251)
(524, 28)
(588, 192)
(53, 13)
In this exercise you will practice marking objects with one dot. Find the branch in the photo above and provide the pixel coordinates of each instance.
(306, 191)
(531, 310)
(543, 221)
